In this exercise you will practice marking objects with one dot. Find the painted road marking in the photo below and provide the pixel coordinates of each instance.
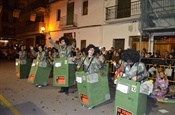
(7, 104)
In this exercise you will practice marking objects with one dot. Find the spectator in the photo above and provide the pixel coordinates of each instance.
(161, 84)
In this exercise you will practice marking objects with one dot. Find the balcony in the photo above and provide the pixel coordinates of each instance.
(68, 22)
(35, 5)
(114, 13)
(34, 28)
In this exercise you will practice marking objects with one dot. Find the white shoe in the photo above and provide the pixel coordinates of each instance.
(39, 86)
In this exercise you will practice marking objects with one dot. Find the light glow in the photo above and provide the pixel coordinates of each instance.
(4, 41)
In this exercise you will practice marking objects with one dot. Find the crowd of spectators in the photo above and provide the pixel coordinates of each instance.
(8, 52)
(167, 57)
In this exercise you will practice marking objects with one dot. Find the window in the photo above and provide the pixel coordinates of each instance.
(83, 44)
(58, 14)
(85, 7)
(124, 8)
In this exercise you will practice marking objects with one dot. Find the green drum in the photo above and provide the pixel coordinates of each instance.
(128, 99)
(63, 72)
(93, 89)
(23, 68)
(39, 72)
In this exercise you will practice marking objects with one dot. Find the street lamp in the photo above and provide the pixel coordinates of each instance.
(43, 29)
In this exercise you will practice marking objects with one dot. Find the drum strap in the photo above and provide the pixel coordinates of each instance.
(89, 64)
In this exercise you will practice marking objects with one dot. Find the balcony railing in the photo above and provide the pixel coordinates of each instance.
(34, 28)
(114, 12)
(66, 22)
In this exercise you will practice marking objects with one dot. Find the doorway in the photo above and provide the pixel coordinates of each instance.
(118, 43)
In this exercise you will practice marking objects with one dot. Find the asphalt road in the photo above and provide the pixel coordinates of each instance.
(20, 97)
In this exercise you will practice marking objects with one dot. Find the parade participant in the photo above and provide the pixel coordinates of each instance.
(51, 54)
(41, 56)
(22, 54)
(64, 50)
(161, 84)
(92, 78)
(50, 57)
(55, 53)
(133, 69)
(155, 66)
(91, 63)
(119, 66)
(23, 63)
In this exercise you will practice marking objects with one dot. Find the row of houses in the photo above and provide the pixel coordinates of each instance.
(137, 24)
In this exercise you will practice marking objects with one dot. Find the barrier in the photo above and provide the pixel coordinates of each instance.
(128, 99)
(38, 73)
(23, 68)
(93, 89)
(64, 73)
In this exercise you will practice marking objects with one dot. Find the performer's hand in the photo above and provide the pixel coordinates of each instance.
(72, 59)
(48, 35)
(134, 78)
(31, 47)
(75, 57)
(78, 67)
(121, 74)
(101, 58)
(114, 63)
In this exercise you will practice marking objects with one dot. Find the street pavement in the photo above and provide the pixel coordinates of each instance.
(18, 97)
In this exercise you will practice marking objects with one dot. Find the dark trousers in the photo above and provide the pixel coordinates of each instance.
(66, 89)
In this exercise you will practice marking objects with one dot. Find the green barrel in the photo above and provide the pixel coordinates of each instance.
(93, 89)
(128, 99)
(39, 74)
(63, 73)
(23, 68)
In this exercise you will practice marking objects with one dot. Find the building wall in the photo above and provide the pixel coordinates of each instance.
(95, 13)
(92, 27)
(119, 31)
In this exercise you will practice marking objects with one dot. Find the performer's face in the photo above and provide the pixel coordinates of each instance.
(22, 48)
(40, 49)
(130, 62)
(63, 43)
(91, 51)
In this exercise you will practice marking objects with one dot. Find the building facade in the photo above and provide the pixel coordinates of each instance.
(22, 20)
(96, 22)
(122, 24)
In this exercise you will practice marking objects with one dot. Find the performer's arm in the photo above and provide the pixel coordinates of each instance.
(142, 74)
(74, 41)
(48, 36)
(33, 52)
(43, 56)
